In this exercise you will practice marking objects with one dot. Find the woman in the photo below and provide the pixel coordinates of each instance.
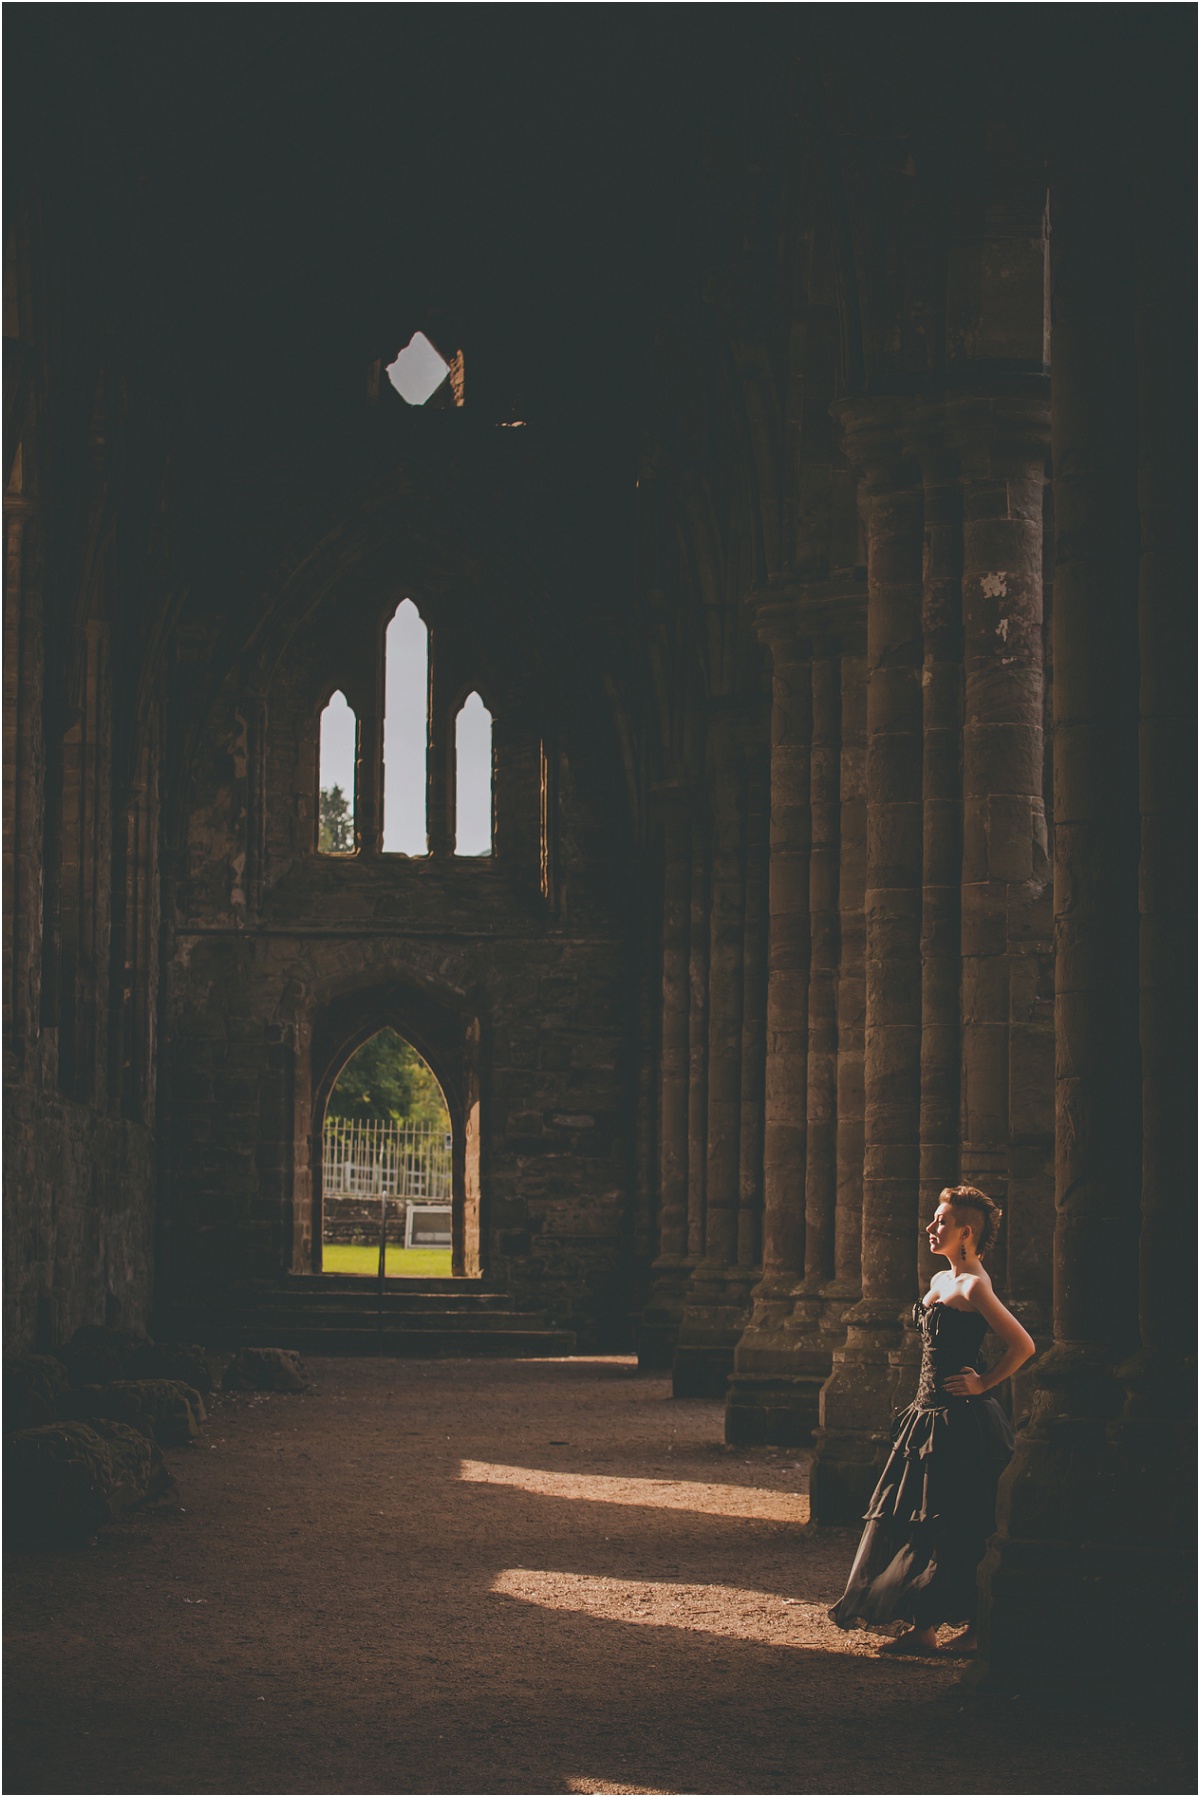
(935, 1504)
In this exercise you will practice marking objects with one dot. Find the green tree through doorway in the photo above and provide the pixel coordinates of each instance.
(388, 1082)
(386, 1123)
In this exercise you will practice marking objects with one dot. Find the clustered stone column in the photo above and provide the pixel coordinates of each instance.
(754, 1005)
(857, 1400)
(1085, 1588)
(660, 1319)
(783, 1356)
(820, 1173)
(785, 1119)
(1005, 880)
(906, 1005)
(697, 1041)
(942, 811)
(846, 1284)
(725, 991)
(719, 1289)
(23, 792)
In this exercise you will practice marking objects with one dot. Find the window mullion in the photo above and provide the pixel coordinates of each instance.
(441, 759)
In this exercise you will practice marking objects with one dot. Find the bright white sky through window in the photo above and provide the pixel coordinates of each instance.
(418, 370)
(405, 733)
(473, 765)
(337, 747)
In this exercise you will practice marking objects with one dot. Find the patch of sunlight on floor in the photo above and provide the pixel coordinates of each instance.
(759, 1616)
(597, 1787)
(654, 1494)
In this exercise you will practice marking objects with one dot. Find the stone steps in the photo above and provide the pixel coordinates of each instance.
(501, 1344)
(345, 1316)
(342, 1314)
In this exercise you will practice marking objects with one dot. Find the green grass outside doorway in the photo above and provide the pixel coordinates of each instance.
(402, 1263)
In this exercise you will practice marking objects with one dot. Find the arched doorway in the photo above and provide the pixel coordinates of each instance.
(387, 1165)
(416, 1084)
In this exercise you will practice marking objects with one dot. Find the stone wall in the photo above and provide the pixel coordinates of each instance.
(511, 974)
(86, 549)
(823, 537)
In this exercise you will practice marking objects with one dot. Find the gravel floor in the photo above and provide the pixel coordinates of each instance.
(498, 1576)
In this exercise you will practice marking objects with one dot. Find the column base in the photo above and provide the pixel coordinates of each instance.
(853, 1437)
(1087, 1624)
(656, 1329)
(844, 1473)
(772, 1410)
(781, 1362)
(1087, 1589)
(712, 1323)
(655, 1334)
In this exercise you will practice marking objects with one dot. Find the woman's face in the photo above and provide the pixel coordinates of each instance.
(944, 1232)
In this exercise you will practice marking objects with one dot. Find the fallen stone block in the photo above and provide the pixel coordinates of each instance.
(57, 1481)
(35, 1386)
(133, 1456)
(166, 1410)
(266, 1369)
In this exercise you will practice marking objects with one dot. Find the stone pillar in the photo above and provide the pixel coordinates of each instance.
(725, 963)
(846, 1286)
(368, 776)
(1160, 1383)
(784, 1139)
(758, 1403)
(717, 1296)
(22, 785)
(784, 1354)
(659, 1324)
(1155, 1434)
(820, 1176)
(942, 799)
(1005, 880)
(697, 1041)
(754, 1005)
(1069, 1575)
(857, 1401)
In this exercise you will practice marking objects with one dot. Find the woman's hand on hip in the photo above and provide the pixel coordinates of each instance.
(966, 1383)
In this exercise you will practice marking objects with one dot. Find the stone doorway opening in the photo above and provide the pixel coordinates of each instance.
(395, 1139)
(387, 1165)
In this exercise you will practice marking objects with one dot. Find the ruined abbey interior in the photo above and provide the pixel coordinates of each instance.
(808, 497)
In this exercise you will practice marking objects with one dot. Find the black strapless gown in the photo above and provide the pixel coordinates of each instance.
(935, 1504)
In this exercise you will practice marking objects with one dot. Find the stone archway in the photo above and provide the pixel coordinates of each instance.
(447, 1038)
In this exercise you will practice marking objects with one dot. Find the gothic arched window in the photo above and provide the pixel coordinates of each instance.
(336, 782)
(406, 734)
(473, 778)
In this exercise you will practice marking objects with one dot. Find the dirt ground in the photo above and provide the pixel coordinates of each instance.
(498, 1576)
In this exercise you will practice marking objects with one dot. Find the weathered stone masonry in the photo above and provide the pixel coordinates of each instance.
(815, 524)
(518, 1004)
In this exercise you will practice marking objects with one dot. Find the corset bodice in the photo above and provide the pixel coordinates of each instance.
(950, 1340)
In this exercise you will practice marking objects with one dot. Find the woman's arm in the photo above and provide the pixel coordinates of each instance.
(1019, 1345)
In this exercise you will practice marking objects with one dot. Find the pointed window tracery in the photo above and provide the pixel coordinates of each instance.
(406, 734)
(336, 802)
(473, 778)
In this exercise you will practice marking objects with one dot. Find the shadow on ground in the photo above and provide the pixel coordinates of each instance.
(486, 1577)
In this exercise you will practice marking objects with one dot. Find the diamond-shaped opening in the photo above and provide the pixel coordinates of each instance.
(418, 370)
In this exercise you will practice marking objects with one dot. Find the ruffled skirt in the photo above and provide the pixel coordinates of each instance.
(929, 1518)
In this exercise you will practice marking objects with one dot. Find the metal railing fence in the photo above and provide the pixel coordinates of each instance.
(392, 1160)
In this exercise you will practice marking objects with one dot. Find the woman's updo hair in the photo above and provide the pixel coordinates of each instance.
(971, 1198)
